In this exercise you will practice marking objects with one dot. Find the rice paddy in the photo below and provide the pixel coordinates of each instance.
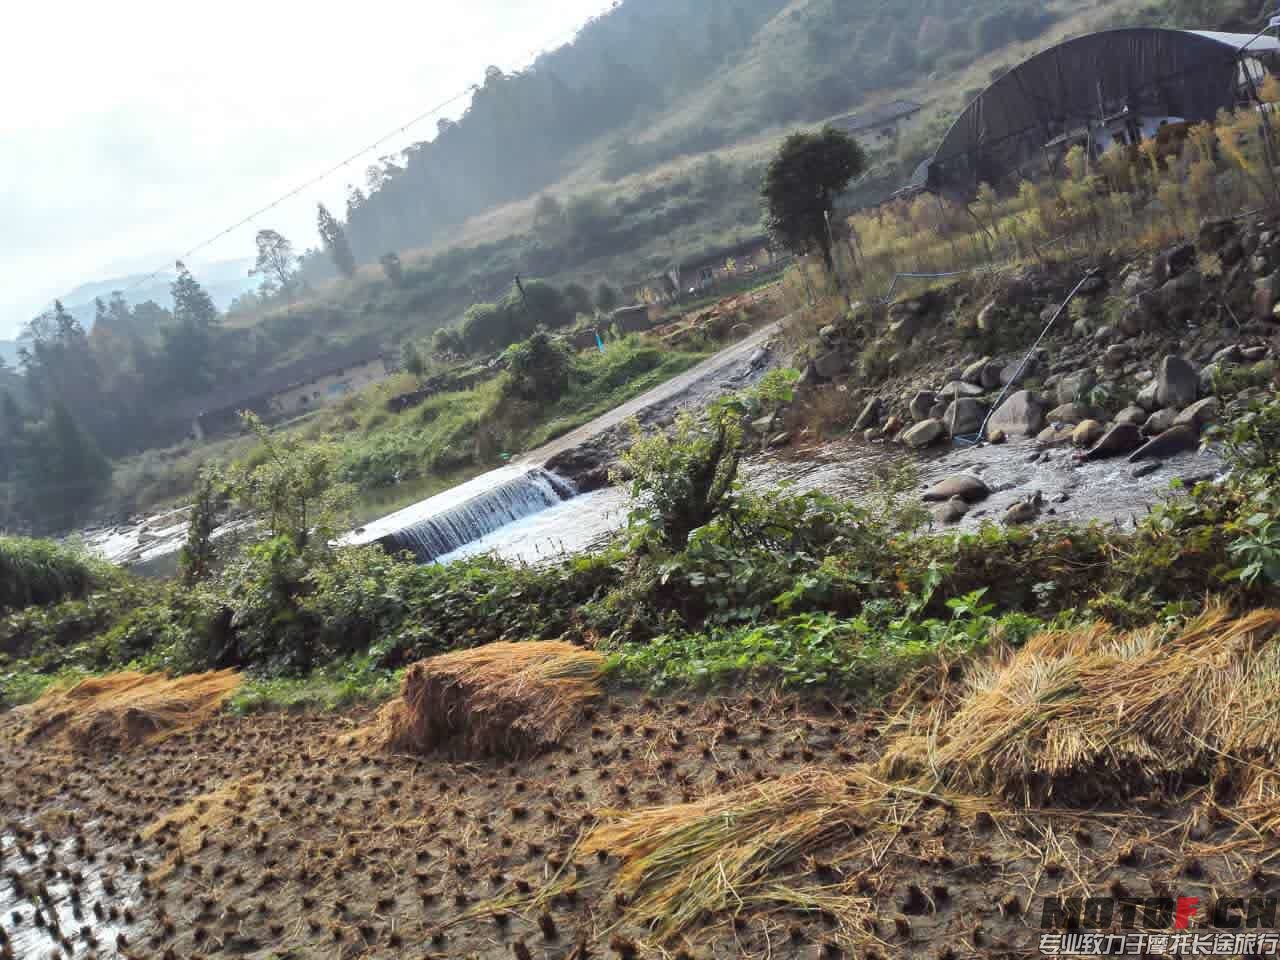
(756, 824)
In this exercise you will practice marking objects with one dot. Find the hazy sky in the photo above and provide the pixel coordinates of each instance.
(132, 131)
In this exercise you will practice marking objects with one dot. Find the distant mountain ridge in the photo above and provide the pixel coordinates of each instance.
(224, 281)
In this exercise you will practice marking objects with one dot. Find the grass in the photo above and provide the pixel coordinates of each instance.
(42, 572)
(339, 686)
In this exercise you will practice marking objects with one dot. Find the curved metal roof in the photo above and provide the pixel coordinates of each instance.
(1148, 71)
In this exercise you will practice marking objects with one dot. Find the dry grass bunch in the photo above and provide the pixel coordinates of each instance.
(125, 710)
(499, 700)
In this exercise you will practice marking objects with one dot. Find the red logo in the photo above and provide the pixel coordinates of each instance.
(1186, 910)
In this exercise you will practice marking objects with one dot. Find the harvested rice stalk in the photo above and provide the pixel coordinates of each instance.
(125, 710)
(1090, 713)
(499, 700)
(740, 850)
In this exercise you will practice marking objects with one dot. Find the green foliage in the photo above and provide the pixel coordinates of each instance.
(800, 186)
(338, 686)
(539, 369)
(39, 572)
(606, 298)
(334, 238)
(196, 559)
(294, 488)
(412, 361)
(682, 480)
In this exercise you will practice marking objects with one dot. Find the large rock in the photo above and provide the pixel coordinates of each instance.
(1199, 415)
(924, 433)
(1116, 356)
(1146, 397)
(831, 364)
(1175, 440)
(1132, 414)
(958, 388)
(1052, 435)
(973, 372)
(870, 415)
(1021, 415)
(984, 373)
(1160, 421)
(1266, 293)
(1087, 433)
(921, 404)
(964, 417)
(966, 486)
(1071, 413)
(1121, 439)
(952, 511)
(1178, 383)
(1076, 386)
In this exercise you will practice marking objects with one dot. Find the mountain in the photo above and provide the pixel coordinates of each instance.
(9, 352)
(224, 281)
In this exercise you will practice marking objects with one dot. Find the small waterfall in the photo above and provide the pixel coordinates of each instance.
(442, 524)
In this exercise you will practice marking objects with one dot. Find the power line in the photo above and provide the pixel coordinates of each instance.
(319, 178)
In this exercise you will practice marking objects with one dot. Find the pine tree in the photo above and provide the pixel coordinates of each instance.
(335, 241)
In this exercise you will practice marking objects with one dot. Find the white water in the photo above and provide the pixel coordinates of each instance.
(441, 525)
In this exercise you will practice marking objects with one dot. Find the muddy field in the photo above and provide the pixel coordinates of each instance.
(285, 836)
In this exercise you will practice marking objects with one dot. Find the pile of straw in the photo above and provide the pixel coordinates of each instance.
(499, 700)
(741, 850)
(125, 710)
(1092, 713)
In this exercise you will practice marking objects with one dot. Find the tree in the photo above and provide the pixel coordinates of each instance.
(578, 298)
(412, 361)
(446, 341)
(58, 469)
(392, 267)
(606, 298)
(539, 369)
(800, 186)
(275, 263)
(187, 343)
(334, 239)
(196, 559)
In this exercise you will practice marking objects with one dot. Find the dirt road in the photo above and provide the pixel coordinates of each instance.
(730, 369)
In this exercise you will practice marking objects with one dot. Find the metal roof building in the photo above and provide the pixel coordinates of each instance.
(1101, 88)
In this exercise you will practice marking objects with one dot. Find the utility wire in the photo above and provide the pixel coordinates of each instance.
(319, 178)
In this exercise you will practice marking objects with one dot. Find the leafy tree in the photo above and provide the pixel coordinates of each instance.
(275, 263)
(294, 489)
(196, 559)
(59, 470)
(393, 268)
(606, 298)
(188, 342)
(412, 361)
(446, 341)
(483, 326)
(800, 186)
(334, 238)
(682, 480)
(578, 298)
(539, 369)
(541, 305)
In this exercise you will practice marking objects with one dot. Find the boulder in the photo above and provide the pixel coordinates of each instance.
(893, 426)
(1121, 439)
(958, 388)
(924, 433)
(952, 511)
(964, 417)
(829, 335)
(1025, 510)
(973, 372)
(1051, 436)
(1071, 413)
(997, 437)
(1087, 433)
(1021, 415)
(966, 486)
(1199, 415)
(1132, 414)
(1177, 384)
(1160, 421)
(1146, 397)
(988, 317)
(1266, 293)
(870, 415)
(1231, 354)
(1116, 356)
(1175, 440)
(1076, 386)
(921, 404)
(831, 364)
(1208, 376)
(1254, 354)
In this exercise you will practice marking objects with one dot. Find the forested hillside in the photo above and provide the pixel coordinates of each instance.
(663, 78)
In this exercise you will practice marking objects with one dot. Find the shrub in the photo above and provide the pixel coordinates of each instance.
(41, 572)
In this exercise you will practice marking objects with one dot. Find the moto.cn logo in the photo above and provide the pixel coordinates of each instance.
(1158, 913)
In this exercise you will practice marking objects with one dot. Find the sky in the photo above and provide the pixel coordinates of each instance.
(132, 132)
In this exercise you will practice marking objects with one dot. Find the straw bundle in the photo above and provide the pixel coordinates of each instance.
(1091, 713)
(125, 710)
(740, 850)
(499, 700)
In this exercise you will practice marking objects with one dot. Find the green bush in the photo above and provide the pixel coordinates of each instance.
(42, 572)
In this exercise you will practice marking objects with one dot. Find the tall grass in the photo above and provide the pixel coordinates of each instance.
(41, 572)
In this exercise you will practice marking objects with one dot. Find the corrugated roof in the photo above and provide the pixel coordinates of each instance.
(875, 116)
(1237, 41)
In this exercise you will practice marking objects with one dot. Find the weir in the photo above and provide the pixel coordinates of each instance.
(452, 519)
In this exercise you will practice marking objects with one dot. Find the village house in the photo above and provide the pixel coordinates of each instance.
(308, 384)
